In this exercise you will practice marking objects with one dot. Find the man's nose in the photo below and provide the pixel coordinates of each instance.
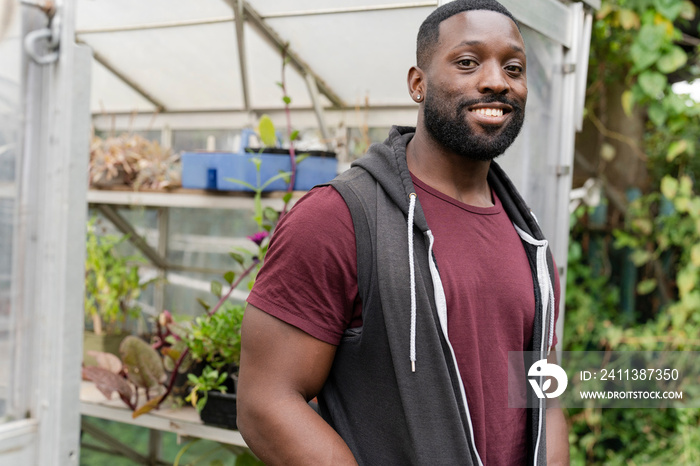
(493, 79)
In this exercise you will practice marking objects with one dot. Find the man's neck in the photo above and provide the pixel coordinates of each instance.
(452, 174)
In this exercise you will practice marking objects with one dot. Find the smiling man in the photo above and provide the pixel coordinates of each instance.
(395, 293)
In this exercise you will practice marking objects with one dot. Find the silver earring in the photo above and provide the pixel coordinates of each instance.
(419, 97)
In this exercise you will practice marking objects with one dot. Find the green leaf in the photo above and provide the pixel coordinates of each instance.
(605, 10)
(147, 407)
(644, 225)
(628, 102)
(629, 19)
(300, 158)
(643, 58)
(669, 187)
(229, 277)
(672, 60)
(247, 459)
(287, 197)
(640, 257)
(266, 129)
(271, 214)
(294, 136)
(669, 8)
(203, 304)
(688, 10)
(646, 286)
(237, 257)
(695, 255)
(287, 100)
(685, 281)
(675, 149)
(682, 204)
(242, 183)
(201, 403)
(143, 364)
(651, 37)
(657, 114)
(216, 288)
(652, 83)
(280, 176)
(686, 186)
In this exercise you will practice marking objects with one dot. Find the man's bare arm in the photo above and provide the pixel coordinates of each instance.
(282, 368)
(557, 430)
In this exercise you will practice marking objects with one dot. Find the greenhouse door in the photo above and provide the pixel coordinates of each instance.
(44, 140)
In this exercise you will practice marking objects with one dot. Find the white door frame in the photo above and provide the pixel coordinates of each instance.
(49, 245)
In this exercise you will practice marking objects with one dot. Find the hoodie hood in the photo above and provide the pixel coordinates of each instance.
(386, 162)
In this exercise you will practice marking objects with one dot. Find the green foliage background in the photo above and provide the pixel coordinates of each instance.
(639, 43)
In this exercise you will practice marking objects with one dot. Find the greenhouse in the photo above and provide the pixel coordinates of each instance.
(114, 119)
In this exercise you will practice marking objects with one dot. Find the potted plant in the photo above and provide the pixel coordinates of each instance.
(112, 285)
(134, 161)
(214, 343)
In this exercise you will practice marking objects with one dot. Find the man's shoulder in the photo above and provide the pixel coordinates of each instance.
(322, 208)
(318, 201)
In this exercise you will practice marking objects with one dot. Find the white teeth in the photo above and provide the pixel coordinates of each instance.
(492, 112)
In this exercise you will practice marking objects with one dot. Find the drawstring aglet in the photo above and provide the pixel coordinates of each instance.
(413, 366)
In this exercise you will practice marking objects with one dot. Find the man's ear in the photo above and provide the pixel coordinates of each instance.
(416, 84)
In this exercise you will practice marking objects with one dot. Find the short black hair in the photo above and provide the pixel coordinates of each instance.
(429, 32)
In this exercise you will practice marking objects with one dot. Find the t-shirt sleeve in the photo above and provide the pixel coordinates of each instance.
(309, 277)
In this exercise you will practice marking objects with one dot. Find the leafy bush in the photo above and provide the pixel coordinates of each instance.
(112, 282)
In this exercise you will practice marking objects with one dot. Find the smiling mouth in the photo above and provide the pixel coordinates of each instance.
(488, 112)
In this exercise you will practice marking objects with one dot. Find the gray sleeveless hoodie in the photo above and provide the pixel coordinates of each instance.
(394, 393)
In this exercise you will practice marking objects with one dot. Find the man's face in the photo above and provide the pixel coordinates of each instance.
(476, 86)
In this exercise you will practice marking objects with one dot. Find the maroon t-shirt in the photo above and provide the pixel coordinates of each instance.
(309, 280)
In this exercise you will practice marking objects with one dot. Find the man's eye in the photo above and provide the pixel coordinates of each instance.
(467, 62)
(514, 69)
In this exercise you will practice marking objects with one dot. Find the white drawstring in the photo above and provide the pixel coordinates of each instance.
(412, 268)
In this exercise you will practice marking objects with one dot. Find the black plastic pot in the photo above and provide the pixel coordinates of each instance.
(220, 410)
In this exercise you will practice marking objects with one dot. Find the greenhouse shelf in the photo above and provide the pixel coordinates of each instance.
(187, 198)
(183, 421)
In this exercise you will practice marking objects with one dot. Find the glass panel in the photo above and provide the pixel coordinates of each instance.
(193, 140)
(203, 238)
(359, 139)
(10, 118)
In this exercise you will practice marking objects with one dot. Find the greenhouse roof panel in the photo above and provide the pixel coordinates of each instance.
(120, 99)
(366, 60)
(272, 8)
(182, 68)
(103, 14)
(182, 55)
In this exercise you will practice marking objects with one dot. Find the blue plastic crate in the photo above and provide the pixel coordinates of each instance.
(215, 170)
(315, 169)
(200, 169)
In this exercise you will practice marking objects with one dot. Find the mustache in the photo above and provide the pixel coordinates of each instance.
(490, 100)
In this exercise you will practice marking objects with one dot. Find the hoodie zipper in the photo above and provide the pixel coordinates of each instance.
(542, 277)
(441, 304)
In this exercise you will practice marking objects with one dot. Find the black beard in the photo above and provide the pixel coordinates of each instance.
(453, 132)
